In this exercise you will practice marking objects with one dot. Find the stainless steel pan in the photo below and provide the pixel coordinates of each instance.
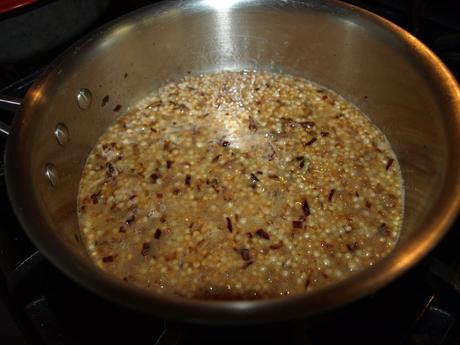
(389, 74)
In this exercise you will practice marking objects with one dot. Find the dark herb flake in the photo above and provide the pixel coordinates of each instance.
(95, 197)
(272, 154)
(214, 183)
(252, 124)
(107, 259)
(262, 234)
(307, 124)
(383, 230)
(331, 195)
(276, 246)
(154, 177)
(155, 104)
(352, 247)
(245, 254)
(145, 249)
(253, 179)
(297, 224)
(247, 264)
(229, 224)
(305, 208)
(389, 163)
(310, 142)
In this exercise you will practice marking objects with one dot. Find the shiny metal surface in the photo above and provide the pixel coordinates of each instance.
(392, 77)
(84, 99)
(61, 132)
(51, 174)
(4, 129)
(9, 103)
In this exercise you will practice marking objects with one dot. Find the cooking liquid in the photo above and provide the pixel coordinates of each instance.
(240, 185)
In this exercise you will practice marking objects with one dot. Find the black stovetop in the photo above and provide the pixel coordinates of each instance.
(39, 305)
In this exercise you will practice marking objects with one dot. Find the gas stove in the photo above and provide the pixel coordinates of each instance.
(39, 305)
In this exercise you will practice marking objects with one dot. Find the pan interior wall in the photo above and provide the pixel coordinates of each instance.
(345, 52)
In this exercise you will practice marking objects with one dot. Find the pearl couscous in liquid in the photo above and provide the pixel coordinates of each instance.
(240, 186)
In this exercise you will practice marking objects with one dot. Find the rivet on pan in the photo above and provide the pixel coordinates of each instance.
(62, 134)
(84, 98)
(51, 174)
